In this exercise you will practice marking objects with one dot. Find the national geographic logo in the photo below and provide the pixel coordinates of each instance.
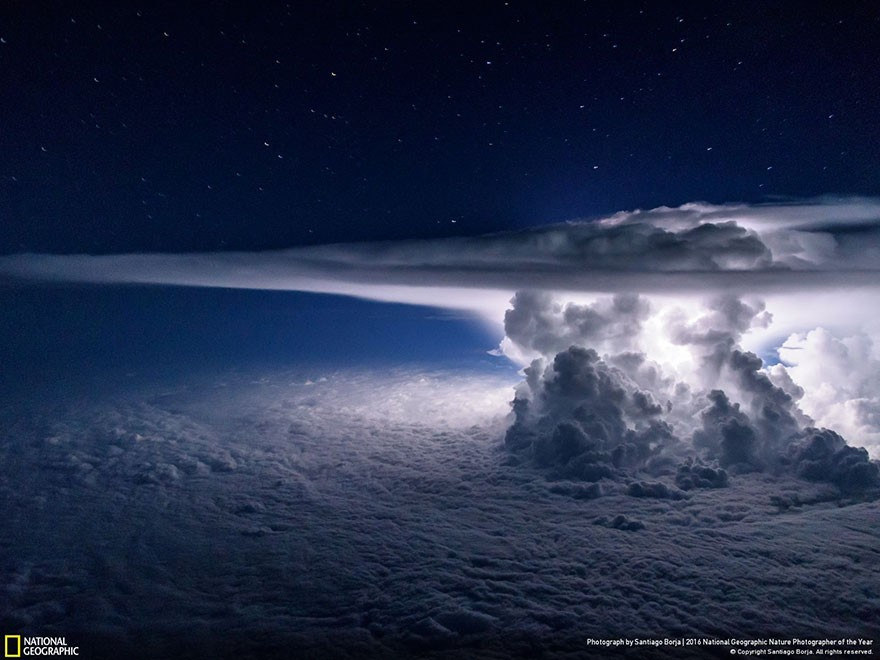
(17, 646)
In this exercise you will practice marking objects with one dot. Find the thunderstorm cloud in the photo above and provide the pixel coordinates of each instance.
(702, 324)
(688, 453)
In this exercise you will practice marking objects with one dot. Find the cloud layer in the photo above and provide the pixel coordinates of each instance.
(819, 244)
(337, 514)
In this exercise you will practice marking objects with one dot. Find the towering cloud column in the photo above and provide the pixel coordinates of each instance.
(594, 404)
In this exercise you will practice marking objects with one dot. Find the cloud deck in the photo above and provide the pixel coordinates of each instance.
(316, 517)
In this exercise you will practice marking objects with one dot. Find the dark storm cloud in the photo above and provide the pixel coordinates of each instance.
(822, 455)
(582, 415)
(695, 247)
(585, 419)
(536, 322)
(715, 339)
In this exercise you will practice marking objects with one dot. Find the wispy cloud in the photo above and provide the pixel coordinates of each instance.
(823, 243)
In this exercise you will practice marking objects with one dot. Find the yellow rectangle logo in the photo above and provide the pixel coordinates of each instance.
(12, 646)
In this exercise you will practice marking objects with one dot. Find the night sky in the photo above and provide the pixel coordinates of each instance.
(171, 127)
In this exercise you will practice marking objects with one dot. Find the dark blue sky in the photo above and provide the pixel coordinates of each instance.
(159, 126)
(69, 335)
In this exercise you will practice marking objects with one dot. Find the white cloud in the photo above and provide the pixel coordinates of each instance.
(840, 378)
(701, 248)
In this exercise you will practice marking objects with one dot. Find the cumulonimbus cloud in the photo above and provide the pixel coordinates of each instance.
(806, 264)
(596, 405)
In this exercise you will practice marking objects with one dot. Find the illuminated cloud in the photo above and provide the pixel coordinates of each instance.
(591, 416)
(821, 244)
(699, 293)
(838, 379)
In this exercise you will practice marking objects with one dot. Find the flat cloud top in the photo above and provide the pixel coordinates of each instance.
(823, 243)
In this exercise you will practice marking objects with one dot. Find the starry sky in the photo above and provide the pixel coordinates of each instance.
(166, 127)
